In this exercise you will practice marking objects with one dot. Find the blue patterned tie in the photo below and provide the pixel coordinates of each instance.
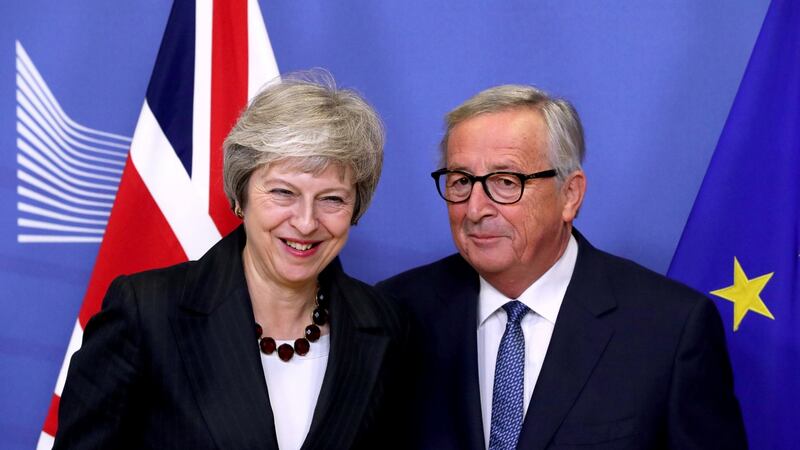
(509, 380)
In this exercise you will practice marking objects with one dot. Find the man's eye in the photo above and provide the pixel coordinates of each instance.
(460, 181)
(504, 181)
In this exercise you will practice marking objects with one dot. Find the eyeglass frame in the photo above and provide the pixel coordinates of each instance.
(523, 178)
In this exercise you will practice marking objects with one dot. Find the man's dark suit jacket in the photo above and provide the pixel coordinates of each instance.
(635, 361)
(172, 362)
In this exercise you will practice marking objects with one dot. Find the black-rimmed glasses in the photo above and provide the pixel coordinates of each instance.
(455, 186)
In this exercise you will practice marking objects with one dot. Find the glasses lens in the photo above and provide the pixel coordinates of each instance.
(454, 186)
(504, 188)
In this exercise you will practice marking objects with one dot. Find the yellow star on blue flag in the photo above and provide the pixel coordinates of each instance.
(745, 294)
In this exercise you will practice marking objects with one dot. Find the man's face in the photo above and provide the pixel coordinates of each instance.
(510, 245)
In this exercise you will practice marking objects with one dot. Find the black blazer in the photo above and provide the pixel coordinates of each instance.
(171, 362)
(635, 361)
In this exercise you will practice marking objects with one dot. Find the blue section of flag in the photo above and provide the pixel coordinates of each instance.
(170, 93)
(748, 207)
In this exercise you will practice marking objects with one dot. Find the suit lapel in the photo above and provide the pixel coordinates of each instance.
(214, 330)
(358, 348)
(459, 307)
(578, 341)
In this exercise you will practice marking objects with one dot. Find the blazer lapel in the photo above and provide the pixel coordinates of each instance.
(215, 334)
(358, 347)
(459, 304)
(578, 341)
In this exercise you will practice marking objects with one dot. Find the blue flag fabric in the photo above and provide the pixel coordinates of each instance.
(741, 243)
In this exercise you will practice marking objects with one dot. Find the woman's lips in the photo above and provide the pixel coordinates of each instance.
(301, 247)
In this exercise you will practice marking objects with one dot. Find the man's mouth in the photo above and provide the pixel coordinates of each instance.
(483, 237)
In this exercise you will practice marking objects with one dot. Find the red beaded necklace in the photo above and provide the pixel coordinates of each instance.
(319, 317)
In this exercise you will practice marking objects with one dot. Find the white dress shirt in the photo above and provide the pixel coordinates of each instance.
(544, 299)
(293, 390)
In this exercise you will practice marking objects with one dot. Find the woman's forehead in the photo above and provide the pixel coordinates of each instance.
(318, 167)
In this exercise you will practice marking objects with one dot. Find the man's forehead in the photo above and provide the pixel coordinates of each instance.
(520, 132)
(496, 148)
(491, 159)
(519, 120)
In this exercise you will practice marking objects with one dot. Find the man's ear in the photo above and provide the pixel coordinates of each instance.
(572, 191)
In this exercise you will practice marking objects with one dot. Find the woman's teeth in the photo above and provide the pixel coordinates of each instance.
(298, 246)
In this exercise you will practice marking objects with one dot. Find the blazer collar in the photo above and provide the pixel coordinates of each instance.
(218, 274)
(214, 330)
(215, 333)
(589, 287)
(358, 346)
(578, 341)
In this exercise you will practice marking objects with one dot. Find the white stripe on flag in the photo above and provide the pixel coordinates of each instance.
(262, 66)
(201, 121)
(171, 188)
(45, 441)
(74, 344)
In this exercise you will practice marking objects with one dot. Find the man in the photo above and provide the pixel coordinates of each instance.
(530, 337)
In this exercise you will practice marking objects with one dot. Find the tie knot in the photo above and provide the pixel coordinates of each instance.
(516, 310)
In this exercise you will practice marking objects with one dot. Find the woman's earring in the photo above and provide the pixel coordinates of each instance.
(238, 211)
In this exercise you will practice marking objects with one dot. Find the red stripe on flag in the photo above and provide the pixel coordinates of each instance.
(51, 421)
(137, 238)
(228, 97)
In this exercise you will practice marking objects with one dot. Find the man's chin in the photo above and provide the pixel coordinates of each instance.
(486, 264)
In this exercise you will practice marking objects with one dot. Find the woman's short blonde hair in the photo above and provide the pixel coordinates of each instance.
(305, 119)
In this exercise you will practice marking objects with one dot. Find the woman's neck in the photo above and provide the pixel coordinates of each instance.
(282, 310)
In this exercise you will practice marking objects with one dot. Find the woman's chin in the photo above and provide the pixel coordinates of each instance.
(299, 277)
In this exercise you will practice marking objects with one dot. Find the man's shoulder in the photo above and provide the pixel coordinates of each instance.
(448, 268)
(630, 280)
(366, 305)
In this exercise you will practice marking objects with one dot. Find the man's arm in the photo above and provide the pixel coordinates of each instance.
(703, 410)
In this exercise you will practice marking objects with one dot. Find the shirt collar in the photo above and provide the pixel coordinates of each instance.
(543, 297)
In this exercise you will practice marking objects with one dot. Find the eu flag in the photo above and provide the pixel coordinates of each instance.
(741, 243)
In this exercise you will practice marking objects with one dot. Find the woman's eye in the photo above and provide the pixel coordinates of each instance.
(281, 192)
(333, 199)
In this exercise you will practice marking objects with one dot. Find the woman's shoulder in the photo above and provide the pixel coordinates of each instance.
(158, 279)
(219, 269)
(146, 294)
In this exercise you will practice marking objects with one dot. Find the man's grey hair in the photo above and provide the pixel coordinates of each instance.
(565, 132)
(305, 119)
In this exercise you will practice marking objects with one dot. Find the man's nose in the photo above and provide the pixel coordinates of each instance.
(479, 205)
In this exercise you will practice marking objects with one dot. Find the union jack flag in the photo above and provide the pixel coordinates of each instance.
(170, 205)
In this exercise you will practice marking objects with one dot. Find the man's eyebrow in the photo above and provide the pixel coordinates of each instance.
(461, 168)
(505, 167)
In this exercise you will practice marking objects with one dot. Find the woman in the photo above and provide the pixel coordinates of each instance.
(264, 342)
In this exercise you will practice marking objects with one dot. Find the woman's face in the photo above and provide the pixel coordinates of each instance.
(297, 222)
